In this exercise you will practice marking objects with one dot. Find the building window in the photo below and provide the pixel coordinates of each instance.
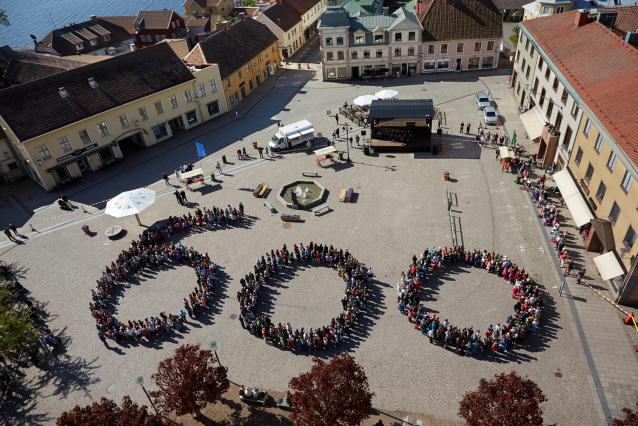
(353, 55)
(547, 73)
(44, 153)
(611, 161)
(160, 131)
(397, 51)
(540, 63)
(598, 144)
(614, 213)
(579, 156)
(213, 108)
(104, 131)
(626, 182)
(531, 51)
(159, 108)
(477, 46)
(589, 173)
(143, 113)
(65, 144)
(340, 56)
(328, 41)
(630, 237)
(358, 39)
(173, 100)
(535, 87)
(444, 48)
(124, 121)
(459, 47)
(398, 37)
(410, 51)
(587, 128)
(339, 41)
(473, 63)
(329, 56)
(234, 99)
(600, 194)
(488, 62)
(541, 101)
(523, 64)
(490, 45)
(379, 53)
(527, 72)
(527, 44)
(84, 137)
(443, 64)
(228, 84)
(429, 65)
(240, 75)
(550, 109)
(191, 117)
(411, 36)
(575, 110)
(564, 96)
(378, 38)
(366, 54)
(555, 85)
(430, 49)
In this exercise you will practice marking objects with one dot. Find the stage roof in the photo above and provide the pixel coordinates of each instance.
(395, 108)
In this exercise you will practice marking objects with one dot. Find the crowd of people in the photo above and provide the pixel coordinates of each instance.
(154, 249)
(267, 268)
(470, 341)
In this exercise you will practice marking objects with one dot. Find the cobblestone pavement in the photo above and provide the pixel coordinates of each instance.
(400, 208)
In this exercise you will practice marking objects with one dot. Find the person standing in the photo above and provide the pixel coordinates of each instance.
(219, 168)
(337, 118)
(357, 140)
(261, 152)
(7, 232)
(14, 229)
(580, 276)
(177, 174)
(178, 197)
(182, 194)
(461, 131)
(244, 154)
(467, 128)
(166, 179)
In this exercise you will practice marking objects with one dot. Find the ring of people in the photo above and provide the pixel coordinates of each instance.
(270, 267)
(155, 249)
(469, 341)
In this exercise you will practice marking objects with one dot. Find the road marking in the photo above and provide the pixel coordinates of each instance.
(523, 248)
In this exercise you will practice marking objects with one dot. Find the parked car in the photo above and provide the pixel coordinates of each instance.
(483, 100)
(489, 115)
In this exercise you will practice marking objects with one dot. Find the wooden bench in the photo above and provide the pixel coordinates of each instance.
(345, 195)
(321, 210)
(310, 174)
(261, 190)
(269, 206)
(290, 217)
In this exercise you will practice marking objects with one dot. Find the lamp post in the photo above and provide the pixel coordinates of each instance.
(346, 127)
(140, 381)
(213, 346)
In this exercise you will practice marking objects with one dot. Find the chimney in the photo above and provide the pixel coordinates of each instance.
(242, 16)
(632, 38)
(93, 18)
(581, 18)
(224, 25)
(386, 10)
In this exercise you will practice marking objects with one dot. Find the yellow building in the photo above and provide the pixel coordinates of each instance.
(247, 53)
(72, 123)
(208, 7)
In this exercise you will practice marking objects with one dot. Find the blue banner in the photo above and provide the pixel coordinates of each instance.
(201, 150)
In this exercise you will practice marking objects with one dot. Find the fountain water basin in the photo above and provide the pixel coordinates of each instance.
(301, 194)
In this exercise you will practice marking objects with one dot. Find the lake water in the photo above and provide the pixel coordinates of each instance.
(38, 17)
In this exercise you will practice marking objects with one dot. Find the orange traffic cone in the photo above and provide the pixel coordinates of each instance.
(629, 319)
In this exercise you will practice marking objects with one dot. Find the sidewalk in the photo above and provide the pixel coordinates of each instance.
(607, 343)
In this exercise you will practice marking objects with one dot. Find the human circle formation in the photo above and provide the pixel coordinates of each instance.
(269, 268)
(470, 341)
(155, 250)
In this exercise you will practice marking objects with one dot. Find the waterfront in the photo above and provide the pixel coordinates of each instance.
(38, 18)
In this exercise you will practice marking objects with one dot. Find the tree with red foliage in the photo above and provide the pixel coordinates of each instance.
(631, 418)
(333, 393)
(508, 400)
(107, 412)
(189, 381)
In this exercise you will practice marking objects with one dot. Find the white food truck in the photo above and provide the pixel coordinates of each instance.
(292, 135)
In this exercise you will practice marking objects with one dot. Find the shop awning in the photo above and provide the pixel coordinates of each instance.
(533, 124)
(608, 266)
(505, 152)
(576, 204)
(325, 151)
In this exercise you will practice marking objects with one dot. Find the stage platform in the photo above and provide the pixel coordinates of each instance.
(382, 145)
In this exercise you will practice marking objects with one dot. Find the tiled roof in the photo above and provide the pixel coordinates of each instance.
(363, 7)
(282, 15)
(626, 18)
(126, 22)
(35, 108)
(599, 66)
(237, 45)
(334, 17)
(24, 67)
(193, 21)
(462, 20)
(154, 19)
(301, 6)
(62, 41)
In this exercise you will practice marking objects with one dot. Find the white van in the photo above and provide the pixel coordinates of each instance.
(292, 135)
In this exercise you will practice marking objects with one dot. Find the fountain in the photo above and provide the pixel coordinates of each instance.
(301, 194)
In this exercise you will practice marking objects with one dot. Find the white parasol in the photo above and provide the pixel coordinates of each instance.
(130, 203)
(387, 94)
(364, 100)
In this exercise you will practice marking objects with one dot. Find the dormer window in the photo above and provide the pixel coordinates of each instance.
(378, 38)
(63, 93)
(93, 83)
(93, 42)
(107, 38)
(79, 46)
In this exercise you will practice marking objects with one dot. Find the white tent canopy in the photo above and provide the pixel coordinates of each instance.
(130, 203)
(576, 204)
(386, 94)
(505, 152)
(533, 123)
(364, 100)
(608, 266)
(325, 151)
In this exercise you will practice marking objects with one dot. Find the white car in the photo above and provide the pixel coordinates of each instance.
(489, 115)
(483, 100)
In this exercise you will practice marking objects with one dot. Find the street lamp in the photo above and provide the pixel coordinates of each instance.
(140, 381)
(346, 127)
(213, 346)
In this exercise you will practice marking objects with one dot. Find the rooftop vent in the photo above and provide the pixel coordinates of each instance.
(93, 83)
(63, 93)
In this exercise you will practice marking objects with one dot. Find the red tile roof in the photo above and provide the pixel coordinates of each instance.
(599, 66)
(626, 18)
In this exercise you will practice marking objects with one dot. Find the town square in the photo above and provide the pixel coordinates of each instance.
(434, 266)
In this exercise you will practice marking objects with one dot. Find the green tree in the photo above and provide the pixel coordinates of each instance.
(17, 331)
(4, 19)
